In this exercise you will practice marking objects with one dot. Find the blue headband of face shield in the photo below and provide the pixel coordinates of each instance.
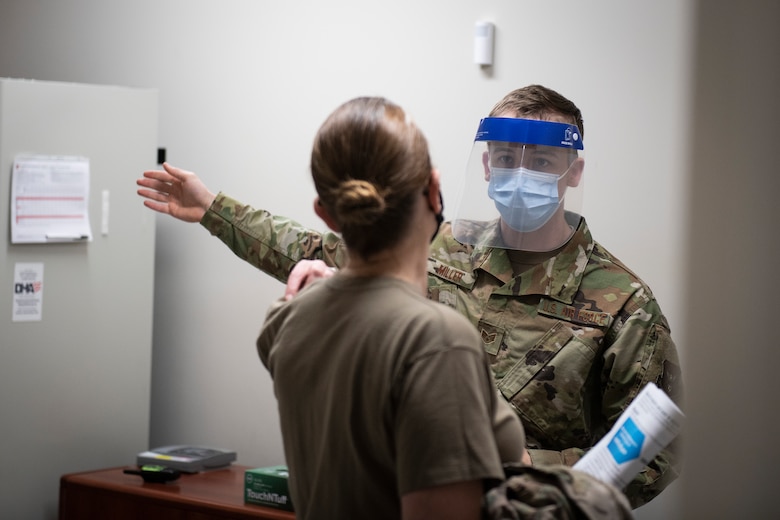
(529, 131)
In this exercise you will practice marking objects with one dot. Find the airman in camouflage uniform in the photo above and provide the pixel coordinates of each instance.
(572, 334)
(571, 341)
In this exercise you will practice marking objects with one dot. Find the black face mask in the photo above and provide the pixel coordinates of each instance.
(439, 217)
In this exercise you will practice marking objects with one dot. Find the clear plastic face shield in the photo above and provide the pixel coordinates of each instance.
(522, 185)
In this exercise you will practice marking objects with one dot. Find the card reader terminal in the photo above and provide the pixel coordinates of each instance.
(189, 459)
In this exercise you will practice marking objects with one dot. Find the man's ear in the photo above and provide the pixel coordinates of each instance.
(486, 164)
(575, 172)
(324, 214)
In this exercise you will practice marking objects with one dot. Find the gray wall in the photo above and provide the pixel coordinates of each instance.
(75, 386)
(733, 253)
(244, 85)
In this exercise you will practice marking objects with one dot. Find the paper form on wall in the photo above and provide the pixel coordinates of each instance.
(50, 199)
(647, 426)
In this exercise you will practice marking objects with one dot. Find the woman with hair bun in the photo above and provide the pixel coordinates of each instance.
(386, 401)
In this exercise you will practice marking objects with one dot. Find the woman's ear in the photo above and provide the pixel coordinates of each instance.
(325, 215)
(575, 172)
(486, 164)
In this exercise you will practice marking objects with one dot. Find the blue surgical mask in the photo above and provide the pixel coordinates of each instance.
(526, 199)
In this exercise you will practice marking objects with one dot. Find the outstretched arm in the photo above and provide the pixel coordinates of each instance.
(176, 192)
(273, 244)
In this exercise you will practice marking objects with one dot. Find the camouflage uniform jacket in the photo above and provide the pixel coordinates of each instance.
(571, 341)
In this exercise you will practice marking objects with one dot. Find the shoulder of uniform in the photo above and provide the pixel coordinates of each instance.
(445, 246)
(602, 255)
(605, 260)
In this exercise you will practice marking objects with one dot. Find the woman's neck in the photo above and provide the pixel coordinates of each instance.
(405, 262)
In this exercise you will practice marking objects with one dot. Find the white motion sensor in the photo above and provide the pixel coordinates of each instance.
(483, 43)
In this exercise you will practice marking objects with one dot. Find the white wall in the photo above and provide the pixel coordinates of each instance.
(244, 84)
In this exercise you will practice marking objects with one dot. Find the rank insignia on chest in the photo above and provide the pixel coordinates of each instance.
(488, 337)
(574, 314)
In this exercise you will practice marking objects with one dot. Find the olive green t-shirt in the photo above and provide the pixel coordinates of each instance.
(381, 392)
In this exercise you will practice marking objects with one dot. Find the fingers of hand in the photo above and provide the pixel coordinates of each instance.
(153, 195)
(159, 175)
